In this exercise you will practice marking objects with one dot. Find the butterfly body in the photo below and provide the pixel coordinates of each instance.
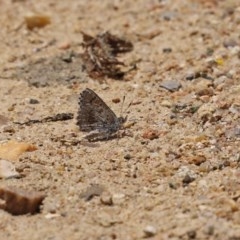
(95, 115)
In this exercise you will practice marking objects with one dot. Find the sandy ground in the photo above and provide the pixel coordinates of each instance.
(176, 174)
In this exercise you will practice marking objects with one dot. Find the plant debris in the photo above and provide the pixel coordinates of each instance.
(18, 201)
(11, 150)
(100, 54)
(57, 117)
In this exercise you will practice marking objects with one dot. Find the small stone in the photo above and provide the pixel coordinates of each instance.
(187, 174)
(150, 231)
(127, 156)
(36, 20)
(167, 16)
(166, 103)
(150, 134)
(192, 234)
(230, 43)
(171, 85)
(33, 101)
(116, 100)
(205, 91)
(205, 167)
(197, 159)
(106, 199)
(167, 50)
(187, 179)
(18, 201)
(7, 170)
(52, 215)
(68, 56)
(191, 75)
(172, 185)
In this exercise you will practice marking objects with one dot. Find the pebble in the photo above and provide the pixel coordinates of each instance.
(187, 179)
(197, 159)
(127, 156)
(186, 174)
(192, 234)
(230, 43)
(167, 16)
(68, 56)
(166, 103)
(171, 85)
(191, 75)
(150, 134)
(52, 215)
(7, 170)
(106, 198)
(205, 92)
(33, 101)
(116, 100)
(150, 231)
(19, 201)
(33, 20)
(167, 50)
(205, 167)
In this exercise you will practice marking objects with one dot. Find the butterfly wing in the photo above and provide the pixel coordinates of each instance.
(94, 114)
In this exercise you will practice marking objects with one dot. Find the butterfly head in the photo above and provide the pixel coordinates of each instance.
(122, 120)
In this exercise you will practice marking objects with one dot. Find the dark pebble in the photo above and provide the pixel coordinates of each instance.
(33, 101)
(187, 179)
(127, 156)
(192, 234)
(171, 85)
(167, 50)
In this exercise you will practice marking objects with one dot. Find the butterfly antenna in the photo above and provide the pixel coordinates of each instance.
(123, 101)
(129, 105)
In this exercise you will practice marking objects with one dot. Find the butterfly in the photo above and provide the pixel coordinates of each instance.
(96, 117)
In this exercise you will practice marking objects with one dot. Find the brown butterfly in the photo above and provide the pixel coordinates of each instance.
(94, 115)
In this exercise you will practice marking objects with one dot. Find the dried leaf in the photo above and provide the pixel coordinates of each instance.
(13, 149)
(100, 53)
